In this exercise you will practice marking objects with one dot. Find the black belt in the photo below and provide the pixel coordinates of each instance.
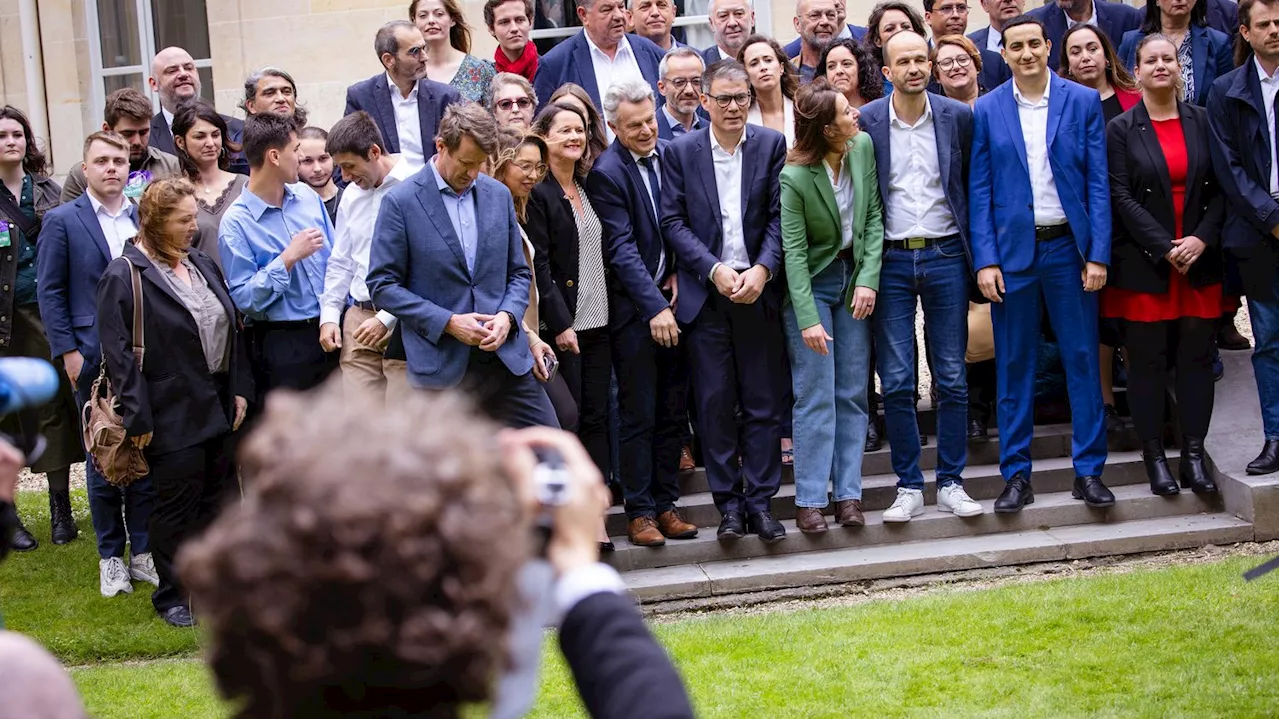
(917, 243)
(845, 254)
(264, 325)
(366, 306)
(1044, 233)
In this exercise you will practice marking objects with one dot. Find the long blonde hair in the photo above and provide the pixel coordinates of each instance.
(159, 201)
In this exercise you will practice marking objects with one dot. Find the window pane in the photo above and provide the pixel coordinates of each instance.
(206, 83)
(115, 82)
(118, 29)
(181, 23)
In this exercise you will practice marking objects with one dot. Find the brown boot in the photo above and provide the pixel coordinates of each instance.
(643, 532)
(849, 513)
(673, 526)
(810, 520)
(686, 460)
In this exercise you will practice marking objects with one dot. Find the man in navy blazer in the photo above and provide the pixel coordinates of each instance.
(1040, 224)
(601, 54)
(402, 52)
(721, 215)
(448, 262)
(732, 22)
(75, 247)
(1113, 18)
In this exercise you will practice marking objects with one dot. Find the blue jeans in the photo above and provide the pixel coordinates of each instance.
(830, 416)
(1266, 370)
(939, 277)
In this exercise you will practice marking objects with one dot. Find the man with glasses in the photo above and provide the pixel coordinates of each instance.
(818, 22)
(951, 17)
(855, 32)
(998, 13)
(721, 217)
(679, 75)
(405, 104)
(512, 100)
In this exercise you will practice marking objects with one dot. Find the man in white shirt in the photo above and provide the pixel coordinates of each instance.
(364, 332)
(998, 13)
(732, 22)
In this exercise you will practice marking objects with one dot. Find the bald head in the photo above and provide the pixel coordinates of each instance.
(904, 42)
(34, 685)
(906, 63)
(174, 77)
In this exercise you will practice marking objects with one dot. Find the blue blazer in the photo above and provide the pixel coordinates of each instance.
(631, 231)
(1238, 145)
(374, 97)
(691, 211)
(570, 61)
(418, 272)
(1210, 55)
(953, 133)
(1114, 18)
(1001, 217)
(73, 255)
(793, 47)
(1221, 15)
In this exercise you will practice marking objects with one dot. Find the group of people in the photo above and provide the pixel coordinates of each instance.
(642, 242)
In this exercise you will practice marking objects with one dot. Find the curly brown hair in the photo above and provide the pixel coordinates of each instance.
(361, 575)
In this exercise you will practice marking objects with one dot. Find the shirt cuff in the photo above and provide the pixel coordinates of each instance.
(330, 315)
(387, 319)
(585, 581)
(711, 276)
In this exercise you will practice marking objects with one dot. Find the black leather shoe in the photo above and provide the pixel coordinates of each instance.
(924, 440)
(1267, 460)
(1094, 493)
(1191, 469)
(874, 440)
(1016, 495)
(769, 529)
(178, 616)
(1229, 338)
(977, 431)
(732, 526)
(22, 540)
(63, 524)
(1115, 424)
(1162, 482)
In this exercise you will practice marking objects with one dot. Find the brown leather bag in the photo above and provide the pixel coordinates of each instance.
(105, 438)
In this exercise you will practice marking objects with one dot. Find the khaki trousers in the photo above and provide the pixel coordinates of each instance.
(364, 368)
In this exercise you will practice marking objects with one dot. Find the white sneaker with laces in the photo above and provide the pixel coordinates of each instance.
(113, 578)
(910, 502)
(143, 569)
(952, 498)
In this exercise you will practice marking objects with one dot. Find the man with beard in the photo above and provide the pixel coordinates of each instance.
(272, 90)
(855, 32)
(128, 114)
(602, 54)
(731, 24)
(315, 167)
(998, 13)
(175, 78)
(817, 21)
(680, 73)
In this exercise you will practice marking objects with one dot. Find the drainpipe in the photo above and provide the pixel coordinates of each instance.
(33, 70)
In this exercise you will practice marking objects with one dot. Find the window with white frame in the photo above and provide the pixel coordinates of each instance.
(125, 34)
(555, 20)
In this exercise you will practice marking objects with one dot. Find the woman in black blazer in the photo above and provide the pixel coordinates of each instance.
(1166, 264)
(183, 406)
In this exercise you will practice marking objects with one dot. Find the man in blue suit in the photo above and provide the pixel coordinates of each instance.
(1113, 18)
(600, 55)
(406, 108)
(679, 81)
(857, 32)
(998, 13)
(448, 262)
(1040, 226)
(949, 17)
(721, 215)
(77, 241)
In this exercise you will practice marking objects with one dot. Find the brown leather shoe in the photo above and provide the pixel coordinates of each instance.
(686, 459)
(643, 532)
(810, 520)
(673, 526)
(849, 513)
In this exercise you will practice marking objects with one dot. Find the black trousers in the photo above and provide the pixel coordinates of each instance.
(1184, 345)
(982, 390)
(288, 355)
(515, 401)
(191, 485)
(588, 374)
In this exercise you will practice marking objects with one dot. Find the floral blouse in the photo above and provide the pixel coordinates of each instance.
(473, 78)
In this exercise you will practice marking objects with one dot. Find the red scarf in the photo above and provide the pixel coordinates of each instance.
(526, 64)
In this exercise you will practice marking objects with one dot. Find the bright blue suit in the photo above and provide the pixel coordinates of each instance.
(1002, 234)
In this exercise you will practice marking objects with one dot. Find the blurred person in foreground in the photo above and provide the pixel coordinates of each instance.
(402, 541)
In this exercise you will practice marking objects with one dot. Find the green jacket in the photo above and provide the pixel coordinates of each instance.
(811, 226)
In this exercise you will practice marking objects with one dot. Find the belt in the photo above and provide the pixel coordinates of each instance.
(845, 254)
(1044, 233)
(367, 306)
(917, 243)
(264, 325)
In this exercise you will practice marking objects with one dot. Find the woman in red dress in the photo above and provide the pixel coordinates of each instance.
(1166, 264)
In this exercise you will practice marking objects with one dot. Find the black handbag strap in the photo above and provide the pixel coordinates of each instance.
(13, 212)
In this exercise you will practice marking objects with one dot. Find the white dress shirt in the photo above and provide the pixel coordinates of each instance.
(118, 228)
(1270, 86)
(728, 167)
(788, 119)
(993, 39)
(610, 70)
(408, 124)
(843, 189)
(915, 204)
(1093, 18)
(654, 192)
(349, 261)
(1034, 118)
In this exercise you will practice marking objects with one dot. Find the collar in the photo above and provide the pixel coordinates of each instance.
(624, 47)
(672, 121)
(395, 91)
(1044, 101)
(638, 158)
(1093, 19)
(400, 171)
(168, 117)
(924, 119)
(258, 207)
(1263, 77)
(101, 209)
(845, 33)
(715, 143)
(444, 186)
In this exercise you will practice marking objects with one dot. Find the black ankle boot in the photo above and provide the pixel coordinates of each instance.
(62, 523)
(1162, 482)
(1192, 470)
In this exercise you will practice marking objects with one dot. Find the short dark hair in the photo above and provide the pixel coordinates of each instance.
(34, 162)
(491, 5)
(266, 131)
(186, 117)
(472, 120)
(1242, 50)
(126, 103)
(385, 42)
(731, 70)
(356, 134)
(1023, 19)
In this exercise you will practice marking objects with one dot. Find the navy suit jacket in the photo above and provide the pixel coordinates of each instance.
(418, 272)
(691, 211)
(1221, 15)
(73, 255)
(570, 61)
(793, 47)
(631, 231)
(1001, 212)
(1240, 161)
(953, 133)
(374, 97)
(1210, 55)
(1114, 18)
(161, 138)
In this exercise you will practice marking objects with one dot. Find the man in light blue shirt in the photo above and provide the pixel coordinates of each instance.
(275, 241)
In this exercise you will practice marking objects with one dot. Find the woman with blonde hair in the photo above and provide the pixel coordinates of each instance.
(449, 58)
(182, 403)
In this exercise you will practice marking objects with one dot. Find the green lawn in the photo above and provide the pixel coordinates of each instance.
(1193, 641)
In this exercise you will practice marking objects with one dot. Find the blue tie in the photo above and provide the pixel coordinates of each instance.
(647, 164)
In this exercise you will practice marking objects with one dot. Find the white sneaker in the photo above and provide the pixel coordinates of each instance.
(142, 569)
(910, 502)
(113, 578)
(952, 498)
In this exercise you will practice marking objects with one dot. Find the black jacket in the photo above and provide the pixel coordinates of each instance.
(46, 193)
(553, 232)
(175, 396)
(1142, 201)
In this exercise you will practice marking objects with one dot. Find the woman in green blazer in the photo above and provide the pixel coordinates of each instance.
(832, 233)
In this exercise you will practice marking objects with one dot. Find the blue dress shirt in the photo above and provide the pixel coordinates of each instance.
(677, 127)
(462, 213)
(250, 239)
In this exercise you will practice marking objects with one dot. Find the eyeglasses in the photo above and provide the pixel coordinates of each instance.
(530, 169)
(958, 61)
(952, 9)
(416, 51)
(523, 103)
(741, 100)
(680, 83)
